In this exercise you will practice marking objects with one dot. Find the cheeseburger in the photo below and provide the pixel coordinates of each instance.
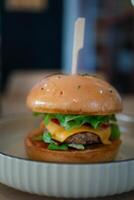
(78, 120)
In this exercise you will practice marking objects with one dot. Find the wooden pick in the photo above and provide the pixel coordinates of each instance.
(78, 42)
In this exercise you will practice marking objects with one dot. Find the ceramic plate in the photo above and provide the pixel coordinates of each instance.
(63, 180)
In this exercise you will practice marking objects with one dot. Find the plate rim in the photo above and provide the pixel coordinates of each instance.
(69, 164)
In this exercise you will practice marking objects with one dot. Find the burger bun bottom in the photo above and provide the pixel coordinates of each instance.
(96, 154)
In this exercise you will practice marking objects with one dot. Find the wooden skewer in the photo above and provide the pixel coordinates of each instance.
(78, 42)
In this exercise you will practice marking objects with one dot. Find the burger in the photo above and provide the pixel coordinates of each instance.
(78, 122)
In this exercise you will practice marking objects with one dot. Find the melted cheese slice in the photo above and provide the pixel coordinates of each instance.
(60, 134)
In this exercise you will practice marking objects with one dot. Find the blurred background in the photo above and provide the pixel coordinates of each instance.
(36, 38)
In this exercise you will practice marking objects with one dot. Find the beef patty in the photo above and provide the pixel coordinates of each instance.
(83, 138)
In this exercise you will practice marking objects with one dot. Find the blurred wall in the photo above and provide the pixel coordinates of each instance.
(31, 38)
(87, 56)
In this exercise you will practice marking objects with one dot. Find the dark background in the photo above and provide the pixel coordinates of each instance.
(31, 40)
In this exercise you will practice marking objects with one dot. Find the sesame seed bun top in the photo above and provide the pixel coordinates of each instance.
(74, 94)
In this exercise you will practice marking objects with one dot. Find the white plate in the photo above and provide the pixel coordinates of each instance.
(63, 180)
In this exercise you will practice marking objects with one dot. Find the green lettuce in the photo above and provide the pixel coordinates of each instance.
(115, 131)
(46, 137)
(75, 121)
(62, 147)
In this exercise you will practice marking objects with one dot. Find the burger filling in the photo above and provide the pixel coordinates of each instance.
(63, 132)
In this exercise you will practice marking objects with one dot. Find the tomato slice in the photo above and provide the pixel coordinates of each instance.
(105, 126)
(55, 121)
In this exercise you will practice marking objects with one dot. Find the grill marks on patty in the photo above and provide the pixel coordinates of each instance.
(83, 138)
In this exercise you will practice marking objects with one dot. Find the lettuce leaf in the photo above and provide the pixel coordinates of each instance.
(115, 131)
(75, 121)
(62, 147)
(47, 137)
